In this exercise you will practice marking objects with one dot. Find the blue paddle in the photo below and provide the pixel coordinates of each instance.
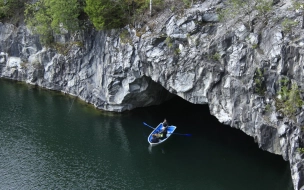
(171, 133)
(148, 125)
(181, 134)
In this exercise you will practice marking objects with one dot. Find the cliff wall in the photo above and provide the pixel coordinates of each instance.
(234, 69)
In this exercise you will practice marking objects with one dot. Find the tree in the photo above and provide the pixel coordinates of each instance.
(64, 14)
(9, 7)
(46, 17)
(39, 21)
(106, 14)
(4, 9)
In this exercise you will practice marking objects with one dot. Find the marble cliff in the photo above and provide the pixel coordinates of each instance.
(190, 54)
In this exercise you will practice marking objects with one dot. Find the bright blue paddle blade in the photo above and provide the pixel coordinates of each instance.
(182, 134)
(148, 125)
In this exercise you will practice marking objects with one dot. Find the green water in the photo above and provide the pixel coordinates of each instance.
(50, 141)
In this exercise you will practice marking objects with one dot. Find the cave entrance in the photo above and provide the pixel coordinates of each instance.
(216, 148)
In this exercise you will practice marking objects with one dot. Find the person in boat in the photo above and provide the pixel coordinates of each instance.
(165, 123)
(163, 133)
(154, 139)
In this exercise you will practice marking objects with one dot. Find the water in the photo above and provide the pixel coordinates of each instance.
(50, 141)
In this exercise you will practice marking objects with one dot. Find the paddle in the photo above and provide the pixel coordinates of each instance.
(148, 125)
(171, 133)
(181, 134)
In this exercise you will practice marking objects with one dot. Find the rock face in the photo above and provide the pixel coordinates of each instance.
(190, 55)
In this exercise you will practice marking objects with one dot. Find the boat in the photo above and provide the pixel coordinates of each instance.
(170, 130)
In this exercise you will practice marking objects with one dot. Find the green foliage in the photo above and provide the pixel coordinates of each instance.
(9, 7)
(300, 150)
(259, 82)
(177, 51)
(187, 3)
(294, 101)
(62, 48)
(172, 8)
(64, 14)
(78, 43)
(4, 9)
(254, 46)
(140, 8)
(289, 98)
(49, 17)
(284, 82)
(235, 8)
(38, 19)
(169, 42)
(216, 56)
(263, 6)
(298, 4)
(125, 37)
(288, 24)
(267, 108)
(106, 14)
(46, 17)
(224, 14)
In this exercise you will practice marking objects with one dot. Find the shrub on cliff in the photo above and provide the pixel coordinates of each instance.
(239, 8)
(49, 17)
(289, 98)
(288, 25)
(259, 82)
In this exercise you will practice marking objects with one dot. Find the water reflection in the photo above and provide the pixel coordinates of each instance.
(150, 148)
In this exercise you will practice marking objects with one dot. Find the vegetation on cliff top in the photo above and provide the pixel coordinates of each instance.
(239, 8)
(49, 17)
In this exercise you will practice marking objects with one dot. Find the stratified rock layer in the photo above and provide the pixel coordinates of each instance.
(190, 55)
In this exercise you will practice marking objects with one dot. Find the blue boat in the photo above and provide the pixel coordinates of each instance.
(170, 130)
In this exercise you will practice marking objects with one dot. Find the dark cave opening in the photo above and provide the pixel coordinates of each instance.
(196, 119)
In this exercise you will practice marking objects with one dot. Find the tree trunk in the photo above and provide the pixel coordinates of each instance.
(150, 8)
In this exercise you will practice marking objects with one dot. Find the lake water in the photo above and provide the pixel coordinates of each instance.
(52, 141)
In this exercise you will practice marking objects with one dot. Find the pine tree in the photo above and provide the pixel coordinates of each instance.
(106, 14)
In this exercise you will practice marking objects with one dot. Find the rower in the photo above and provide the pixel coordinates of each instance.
(163, 133)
